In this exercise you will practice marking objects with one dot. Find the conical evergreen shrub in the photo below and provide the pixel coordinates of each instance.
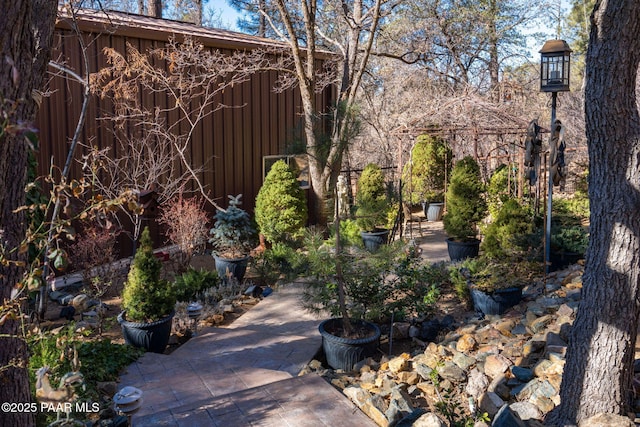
(281, 207)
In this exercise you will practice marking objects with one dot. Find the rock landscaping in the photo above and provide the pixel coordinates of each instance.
(503, 371)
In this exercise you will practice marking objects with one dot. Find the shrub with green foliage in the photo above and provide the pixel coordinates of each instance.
(466, 205)
(511, 234)
(502, 187)
(425, 176)
(569, 232)
(192, 282)
(281, 208)
(100, 360)
(146, 296)
(371, 199)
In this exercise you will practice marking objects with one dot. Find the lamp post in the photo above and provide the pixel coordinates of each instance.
(555, 64)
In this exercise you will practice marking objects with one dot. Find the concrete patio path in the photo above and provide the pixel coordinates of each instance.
(246, 374)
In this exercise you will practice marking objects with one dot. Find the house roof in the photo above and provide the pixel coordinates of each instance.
(151, 28)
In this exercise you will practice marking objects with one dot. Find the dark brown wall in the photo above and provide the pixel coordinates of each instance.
(230, 142)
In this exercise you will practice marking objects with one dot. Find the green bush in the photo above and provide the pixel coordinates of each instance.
(425, 176)
(466, 205)
(569, 232)
(511, 234)
(192, 282)
(502, 187)
(100, 360)
(371, 199)
(147, 297)
(281, 208)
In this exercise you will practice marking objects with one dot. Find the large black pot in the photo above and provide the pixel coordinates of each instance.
(152, 336)
(497, 302)
(235, 267)
(343, 353)
(374, 239)
(462, 249)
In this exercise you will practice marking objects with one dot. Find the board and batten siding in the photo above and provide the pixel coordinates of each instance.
(230, 143)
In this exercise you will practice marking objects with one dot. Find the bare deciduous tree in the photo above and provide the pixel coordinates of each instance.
(152, 144)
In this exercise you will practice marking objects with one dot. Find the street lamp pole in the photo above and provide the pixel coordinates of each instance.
(554, 77)
(552, 155)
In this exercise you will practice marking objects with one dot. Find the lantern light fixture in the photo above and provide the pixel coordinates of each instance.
(555, 66)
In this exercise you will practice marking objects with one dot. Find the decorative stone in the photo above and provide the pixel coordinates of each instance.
(477, 383)
(411, 378)
(522, 374)
(400, 363)
(490, 403)
(507, 418)
(466, 343)
(429, 420)
(540, 323)
(526, 410)
(499, 386)
(496, 364)
(451, 371)
(463, 361)
(607, 420)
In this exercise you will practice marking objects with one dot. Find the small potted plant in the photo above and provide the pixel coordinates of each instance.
(148, 301)
(493, 286)
(466, 206)
(372, 207)
(348, 285)
(232, 237)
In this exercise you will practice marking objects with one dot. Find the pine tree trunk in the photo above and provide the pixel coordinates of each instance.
(599, 368)
(26, 28)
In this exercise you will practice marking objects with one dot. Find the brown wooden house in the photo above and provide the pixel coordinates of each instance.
(232, 143)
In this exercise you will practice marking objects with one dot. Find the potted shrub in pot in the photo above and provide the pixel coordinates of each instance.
(148, 301)
(372, 207)
(425, 176)
(466, 206)
(232, 237)
(348, 285)
(493, 286)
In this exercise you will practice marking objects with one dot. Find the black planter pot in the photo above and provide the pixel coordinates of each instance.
(235, 266)
(462, 249)
(562, 259)
(150, 336)
(496, 302)
(343, 353)
(373, 239)
(434, 212)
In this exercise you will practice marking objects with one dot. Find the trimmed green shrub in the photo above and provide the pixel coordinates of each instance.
(425, 177)
(466, 205)
(371, 199)
(146, 296)
(511, 234)
(281, 208)
(192, 282)
(500, 189)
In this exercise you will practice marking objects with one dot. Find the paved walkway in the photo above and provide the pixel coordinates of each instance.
(246, 374)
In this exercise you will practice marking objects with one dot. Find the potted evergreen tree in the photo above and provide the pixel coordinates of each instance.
(372, 207)
(426, 174)
(148, 301)
(281, 208)
(466, 206)
(232, 237)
